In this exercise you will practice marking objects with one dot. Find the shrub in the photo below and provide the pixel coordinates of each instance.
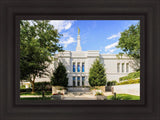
(22, 87)
(132, 75)
(129, 82)
(97, 75)
(59, 77)
(111, 83)
(26, 90)
(98, 93)
(39, 86)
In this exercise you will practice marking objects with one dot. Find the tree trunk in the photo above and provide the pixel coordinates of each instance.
(33, 88)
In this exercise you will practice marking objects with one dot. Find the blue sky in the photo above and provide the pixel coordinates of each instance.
(102, 35)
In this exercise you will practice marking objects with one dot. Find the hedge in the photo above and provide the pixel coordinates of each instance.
(111, 83)
(132, 75)
(39, 86)
(129, 82)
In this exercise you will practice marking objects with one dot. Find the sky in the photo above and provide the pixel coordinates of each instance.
(102, 35)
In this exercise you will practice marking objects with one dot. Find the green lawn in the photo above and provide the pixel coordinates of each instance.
(124, 97)
(36, 93)
(36, 98)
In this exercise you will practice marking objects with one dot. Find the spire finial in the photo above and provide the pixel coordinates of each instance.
(78, 30)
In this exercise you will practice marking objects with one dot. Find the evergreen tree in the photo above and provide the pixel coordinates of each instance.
(97, 75)
(59, 77)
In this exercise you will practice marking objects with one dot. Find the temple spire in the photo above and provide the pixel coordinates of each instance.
(78, 48)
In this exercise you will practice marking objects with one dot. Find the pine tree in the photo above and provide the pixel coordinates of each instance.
(97, 75)
(59, 77)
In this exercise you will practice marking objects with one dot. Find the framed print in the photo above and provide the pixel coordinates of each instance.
(79, 60)
(75, 70)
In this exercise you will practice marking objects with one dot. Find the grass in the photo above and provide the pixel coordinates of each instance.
(36, 93)
(125, 97)
(36, 98)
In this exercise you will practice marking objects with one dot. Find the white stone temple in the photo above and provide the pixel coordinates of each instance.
(78, 64)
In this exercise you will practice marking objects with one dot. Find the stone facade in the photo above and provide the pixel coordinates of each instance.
(79, 62)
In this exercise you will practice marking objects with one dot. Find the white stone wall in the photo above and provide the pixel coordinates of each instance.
(133, 89)
(88, 57)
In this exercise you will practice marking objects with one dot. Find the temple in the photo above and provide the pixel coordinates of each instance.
(78, 64)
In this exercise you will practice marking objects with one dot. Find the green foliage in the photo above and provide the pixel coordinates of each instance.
(39, 86)
(132, 75)
(131, 81)
(26, 90)
(98, 93)
(97, 75)
(22, 87)
(129, 41)
(38, 42)
(59, 77)
(111, 83)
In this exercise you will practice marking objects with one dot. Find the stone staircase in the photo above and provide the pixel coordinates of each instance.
(78, 89)
(78, 93)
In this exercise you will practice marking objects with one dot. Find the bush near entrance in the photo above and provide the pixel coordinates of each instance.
(59, 77)
(97, 75)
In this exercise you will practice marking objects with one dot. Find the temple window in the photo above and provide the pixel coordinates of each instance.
(74, 67)
(118, 67)
(78, 67)
(127, 67)
(82, 67)
(122, 67)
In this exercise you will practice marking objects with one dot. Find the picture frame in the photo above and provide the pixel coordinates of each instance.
(12, 11)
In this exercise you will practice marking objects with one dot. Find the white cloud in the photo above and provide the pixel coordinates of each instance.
(108, 47)
(112, 50)
(114, 36)
(69, 40)
(62, 24)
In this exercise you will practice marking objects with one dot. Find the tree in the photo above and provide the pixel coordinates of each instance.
(59, 77)
(129, 41)
(97, 75)
(38, 42)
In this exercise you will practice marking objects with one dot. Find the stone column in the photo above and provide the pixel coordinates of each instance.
(80, 80)
(120, 67)
(71, 81)
(75, 80)
(124, 67)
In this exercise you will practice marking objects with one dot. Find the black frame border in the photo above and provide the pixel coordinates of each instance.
(149, 109)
